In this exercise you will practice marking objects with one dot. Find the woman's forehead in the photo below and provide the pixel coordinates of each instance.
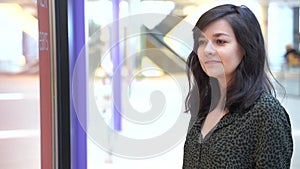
(217, 28)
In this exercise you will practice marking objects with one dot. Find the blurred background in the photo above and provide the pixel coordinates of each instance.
(153, 61)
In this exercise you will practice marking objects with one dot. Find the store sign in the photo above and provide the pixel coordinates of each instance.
(45, 84)
(43, 41)
(43, 16)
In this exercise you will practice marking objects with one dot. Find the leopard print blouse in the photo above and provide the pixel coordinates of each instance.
(258, 138)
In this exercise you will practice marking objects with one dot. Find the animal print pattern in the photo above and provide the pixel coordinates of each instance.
(258, 138)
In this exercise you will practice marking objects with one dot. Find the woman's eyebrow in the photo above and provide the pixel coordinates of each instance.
(220, 34)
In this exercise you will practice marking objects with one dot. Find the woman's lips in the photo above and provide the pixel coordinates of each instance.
(212, 62)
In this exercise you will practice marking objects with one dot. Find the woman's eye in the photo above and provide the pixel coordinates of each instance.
(221, 42)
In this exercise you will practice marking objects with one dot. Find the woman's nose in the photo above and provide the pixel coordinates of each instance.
(209, 49)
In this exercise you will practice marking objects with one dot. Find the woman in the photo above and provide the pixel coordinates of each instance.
(236, 122)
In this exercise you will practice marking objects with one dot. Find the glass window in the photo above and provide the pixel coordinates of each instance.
(19, 87)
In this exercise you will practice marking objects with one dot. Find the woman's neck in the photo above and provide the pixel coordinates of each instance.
(223, 91)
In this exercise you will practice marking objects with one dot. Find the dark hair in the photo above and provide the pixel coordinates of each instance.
(250, 77)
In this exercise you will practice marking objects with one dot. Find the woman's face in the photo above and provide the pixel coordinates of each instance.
(219, 52)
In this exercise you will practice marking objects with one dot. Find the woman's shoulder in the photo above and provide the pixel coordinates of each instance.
(268, 107)
(266, 101)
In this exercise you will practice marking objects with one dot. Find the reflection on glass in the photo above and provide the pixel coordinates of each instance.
(19, 87)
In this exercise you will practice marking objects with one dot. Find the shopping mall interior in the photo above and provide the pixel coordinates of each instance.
(153, 44)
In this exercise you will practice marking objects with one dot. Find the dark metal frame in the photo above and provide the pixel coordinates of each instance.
(63, 85)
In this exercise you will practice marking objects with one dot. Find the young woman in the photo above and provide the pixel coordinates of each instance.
(236, 121)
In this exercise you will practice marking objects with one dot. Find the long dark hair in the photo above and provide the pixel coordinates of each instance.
(250, 77)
